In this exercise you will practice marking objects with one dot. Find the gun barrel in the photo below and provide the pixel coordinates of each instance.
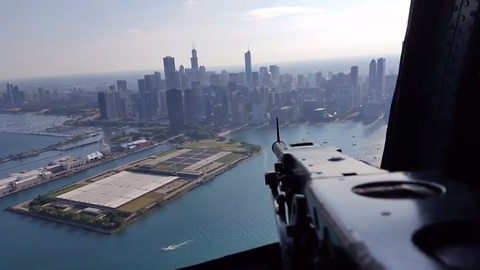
(278, 149)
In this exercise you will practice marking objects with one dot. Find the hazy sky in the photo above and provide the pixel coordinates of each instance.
(53, 37)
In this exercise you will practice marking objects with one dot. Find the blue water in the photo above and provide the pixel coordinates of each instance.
(27, 123)
(17, 143)
(14, 143)
(229, 214)
(41, 160)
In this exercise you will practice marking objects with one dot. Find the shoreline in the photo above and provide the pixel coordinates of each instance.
(20, 209)
(36, 134)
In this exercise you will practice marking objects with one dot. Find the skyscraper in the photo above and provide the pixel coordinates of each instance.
(190, 107)
(208, 112)
(372, 74)
(275, 71)
(107, 103)
(194, 62)
(41, 98)
(380, 78)
(169, 68)
(355, 85)
(102, 105)
(122, 85)
(176, 117)
(202, 77)
(151, 94)
(17, 96)
(264, 76)
(141, 104)
(300, 81)
(318, 79)
(354, 76)
(248, 68)
(176, 80)
(183, 78)
(119, 105)
(111, 105)
(181, 69)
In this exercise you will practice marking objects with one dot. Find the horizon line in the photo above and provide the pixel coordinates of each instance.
(214, 66)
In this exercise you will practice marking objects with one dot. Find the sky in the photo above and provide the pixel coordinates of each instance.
(59, 37)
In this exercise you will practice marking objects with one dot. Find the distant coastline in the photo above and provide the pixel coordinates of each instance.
(339, 64)
(35, 133)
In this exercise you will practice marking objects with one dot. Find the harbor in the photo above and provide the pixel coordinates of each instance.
(68, 165)
(107, 202)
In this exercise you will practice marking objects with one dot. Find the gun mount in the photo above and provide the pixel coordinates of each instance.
(336, 212)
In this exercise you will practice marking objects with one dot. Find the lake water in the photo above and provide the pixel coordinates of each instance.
(229, 214)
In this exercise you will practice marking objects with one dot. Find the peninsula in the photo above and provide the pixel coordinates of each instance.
(109, 201)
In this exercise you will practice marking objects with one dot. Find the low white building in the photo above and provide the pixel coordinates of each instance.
(135, 144)
(70, 162)
(94, 156)
(22, 180)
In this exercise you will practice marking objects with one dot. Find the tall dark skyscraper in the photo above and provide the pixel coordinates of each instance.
(9, 93)
(221, 97)
(190, 107)
(248, 68)
(355, 85)
(372, 74)
(208, 112)
(354, 76)
(150, 95)
(176, 117)
(141, 104)
(102, 105)
(17, 95)
(107, 103)
(380, 78)
(202, 74)
(194, 61)
(169, 69)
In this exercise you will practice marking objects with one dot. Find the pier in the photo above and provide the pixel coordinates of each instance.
(109, 201)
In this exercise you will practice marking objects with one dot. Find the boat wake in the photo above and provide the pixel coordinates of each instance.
(173, 247)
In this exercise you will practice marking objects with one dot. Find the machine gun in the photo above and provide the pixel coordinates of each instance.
(336, 212)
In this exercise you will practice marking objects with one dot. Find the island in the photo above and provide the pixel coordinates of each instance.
(111, 200)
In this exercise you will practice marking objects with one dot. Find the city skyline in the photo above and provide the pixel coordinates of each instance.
(54, 38)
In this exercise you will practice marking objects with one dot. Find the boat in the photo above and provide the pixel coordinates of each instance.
(171, 247)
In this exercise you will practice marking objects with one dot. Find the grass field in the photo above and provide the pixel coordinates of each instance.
(162, 168)
(66, 189)
(213, 144)
(147, 166)
(230, 158)
(142, 202)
